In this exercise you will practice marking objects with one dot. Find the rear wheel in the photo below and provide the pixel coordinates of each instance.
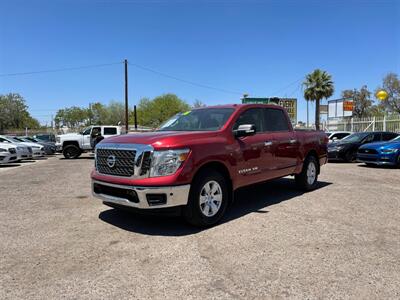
(71, 152)
(208, 199)
(307, 179)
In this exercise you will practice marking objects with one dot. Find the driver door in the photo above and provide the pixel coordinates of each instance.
(255, 160)
(86, 139)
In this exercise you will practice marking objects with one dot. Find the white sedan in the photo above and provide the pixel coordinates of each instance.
(37, 150)
(8, 153)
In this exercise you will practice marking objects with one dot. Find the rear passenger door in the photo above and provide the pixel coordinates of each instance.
(286, 145)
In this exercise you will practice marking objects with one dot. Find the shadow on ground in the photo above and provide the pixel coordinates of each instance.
(253, 199)
(9, 165)
(80, 157)
(378, 166)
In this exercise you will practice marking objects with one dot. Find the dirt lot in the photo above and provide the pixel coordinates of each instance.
(340, 241)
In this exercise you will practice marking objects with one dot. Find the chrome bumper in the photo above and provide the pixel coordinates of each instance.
(175, 195)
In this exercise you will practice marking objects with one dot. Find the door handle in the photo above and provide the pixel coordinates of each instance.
(292, 141)
(268, 143)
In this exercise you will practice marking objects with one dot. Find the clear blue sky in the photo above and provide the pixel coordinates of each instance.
(257, 47)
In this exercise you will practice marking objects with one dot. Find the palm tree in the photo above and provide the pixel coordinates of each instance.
(318, 85)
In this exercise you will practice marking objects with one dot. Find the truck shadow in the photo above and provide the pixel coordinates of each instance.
(253, 199)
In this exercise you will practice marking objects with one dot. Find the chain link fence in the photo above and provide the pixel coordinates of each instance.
(387, 123)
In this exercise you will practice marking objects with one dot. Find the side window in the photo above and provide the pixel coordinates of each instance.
(251, 116)
(388, 136)
(377, 137)
(341, 135)
(275, 120)
(110, 130)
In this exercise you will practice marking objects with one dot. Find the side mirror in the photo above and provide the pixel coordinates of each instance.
(245, 130)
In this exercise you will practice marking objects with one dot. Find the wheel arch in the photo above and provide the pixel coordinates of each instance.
(313, 153)
(68, 143)
(221, 168)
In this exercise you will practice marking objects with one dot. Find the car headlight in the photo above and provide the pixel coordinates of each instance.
(167, 162)
(3, 150)
(389, 151)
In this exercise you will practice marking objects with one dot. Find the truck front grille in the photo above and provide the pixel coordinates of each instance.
(116, 162)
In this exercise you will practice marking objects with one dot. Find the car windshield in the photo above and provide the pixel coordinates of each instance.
(15, 139)
(396, 139)
(355, 137)
(205, 119)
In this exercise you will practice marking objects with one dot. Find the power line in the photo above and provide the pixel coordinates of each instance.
(186, 81)
(287, 86)
(60, 70)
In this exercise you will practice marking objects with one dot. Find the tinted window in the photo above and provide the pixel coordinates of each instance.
(275, 120)
(251, 116)
(377, 137)
(388, 136)
(339, 136)
(110, 130)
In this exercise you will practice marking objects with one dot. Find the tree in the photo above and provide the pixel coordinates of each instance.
(14, 113)
(72, 117)
(197, 104)
(318, 85)
(361, 99)
(391, 84)
(98, 113)
(154, 112)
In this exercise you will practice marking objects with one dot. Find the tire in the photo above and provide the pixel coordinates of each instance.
(205, 208)
(398, 161)
(350, 156)
(71, 152)
(307, 179)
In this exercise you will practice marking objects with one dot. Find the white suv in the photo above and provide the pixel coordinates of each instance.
(8, 153)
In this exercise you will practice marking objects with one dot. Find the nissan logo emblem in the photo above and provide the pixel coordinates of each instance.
(111, 161)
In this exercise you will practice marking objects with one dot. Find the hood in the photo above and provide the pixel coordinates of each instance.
(69, 135)
(31, 144)
(7, 146)
(163, 139)
(382, 145)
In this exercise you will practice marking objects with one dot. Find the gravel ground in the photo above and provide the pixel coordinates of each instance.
(340, 241)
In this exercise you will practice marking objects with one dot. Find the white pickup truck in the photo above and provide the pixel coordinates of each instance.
(72, 145)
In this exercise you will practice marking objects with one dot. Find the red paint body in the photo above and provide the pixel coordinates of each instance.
(278, 160)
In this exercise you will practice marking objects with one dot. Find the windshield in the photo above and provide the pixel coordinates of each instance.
(206, 119)
(396, 139)
(16, 140)
(355, 137)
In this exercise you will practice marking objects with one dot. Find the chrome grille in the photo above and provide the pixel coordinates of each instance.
(124, 162)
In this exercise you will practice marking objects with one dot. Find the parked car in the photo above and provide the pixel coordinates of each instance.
(73, 145)
(346, 149)
(8, 153)
(37, 150)
(385, 153)
(23, 151)
(46, 137)
(196, 160)
(337, 135)
(49, 147)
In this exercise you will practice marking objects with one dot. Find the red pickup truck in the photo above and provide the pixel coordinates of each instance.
(196, 160)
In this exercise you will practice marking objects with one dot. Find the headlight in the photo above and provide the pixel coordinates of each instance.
(3, 150)
(167, 162)
(389, 151)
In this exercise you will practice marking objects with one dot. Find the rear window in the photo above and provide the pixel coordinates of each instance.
(110, 130)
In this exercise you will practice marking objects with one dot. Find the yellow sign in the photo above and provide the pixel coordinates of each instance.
(381, 95)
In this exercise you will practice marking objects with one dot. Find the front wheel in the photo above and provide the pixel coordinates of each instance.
(208, 199)
(350, 156)
(71, 152)
(307, 179)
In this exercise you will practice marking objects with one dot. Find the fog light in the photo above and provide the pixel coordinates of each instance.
(156, 199)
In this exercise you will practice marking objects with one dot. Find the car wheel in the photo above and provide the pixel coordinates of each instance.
(398, 161)
(71, 152)
(350, 156)
(307, 179)
(208, 199)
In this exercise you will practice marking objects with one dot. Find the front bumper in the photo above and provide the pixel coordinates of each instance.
(8, 158)
(377, 159)
(335, 155)
(141, 197)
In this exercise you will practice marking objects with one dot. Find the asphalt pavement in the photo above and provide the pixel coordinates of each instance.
(340, 241)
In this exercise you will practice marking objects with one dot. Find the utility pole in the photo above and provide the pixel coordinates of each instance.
(135, 116)
(126, 96)
(90, 113)
(307, 114)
